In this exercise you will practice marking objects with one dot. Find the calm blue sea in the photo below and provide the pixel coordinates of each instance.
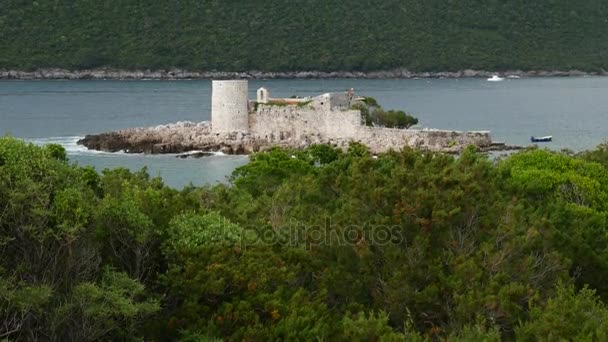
(573, 110)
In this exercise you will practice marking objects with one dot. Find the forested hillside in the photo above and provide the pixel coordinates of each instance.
(307, 245)
(278, 35)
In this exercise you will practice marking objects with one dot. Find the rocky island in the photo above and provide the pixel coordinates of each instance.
(241, 126)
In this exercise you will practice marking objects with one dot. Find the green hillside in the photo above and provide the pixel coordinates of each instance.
(273, 35)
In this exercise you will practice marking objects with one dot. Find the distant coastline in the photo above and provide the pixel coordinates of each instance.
(180, 74)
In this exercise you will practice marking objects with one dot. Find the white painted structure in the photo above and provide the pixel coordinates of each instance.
(229, 106)
(263, 95)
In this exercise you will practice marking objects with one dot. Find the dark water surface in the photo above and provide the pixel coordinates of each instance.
(573, 110)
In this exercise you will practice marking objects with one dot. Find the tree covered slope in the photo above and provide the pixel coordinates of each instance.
(273, 35)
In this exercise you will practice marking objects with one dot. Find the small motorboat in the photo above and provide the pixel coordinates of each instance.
(495, 78)
(547, 138)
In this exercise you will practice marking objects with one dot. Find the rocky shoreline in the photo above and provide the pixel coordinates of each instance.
(179, 74)
(183, 137)
(186, 136)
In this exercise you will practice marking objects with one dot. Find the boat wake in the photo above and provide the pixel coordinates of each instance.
(496, 78)
(197, 152)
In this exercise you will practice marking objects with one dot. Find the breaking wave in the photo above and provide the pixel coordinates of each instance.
(69, 143)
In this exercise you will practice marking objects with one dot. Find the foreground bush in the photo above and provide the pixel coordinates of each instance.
(313, 244)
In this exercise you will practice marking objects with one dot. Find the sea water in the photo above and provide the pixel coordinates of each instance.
(573, 110)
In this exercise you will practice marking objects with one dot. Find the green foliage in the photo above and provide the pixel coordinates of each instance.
(566, 199)
(277, 104)
(373, 115)
(268, 170)
(431, 203)
(315, 244)
(370, 101)
(569, 316)
(394, 119)
(195, 336)
(598, 155)
(370, 328)
(278, 35)
(304, 104)
(57, 152)
(321, 154)
(54, 284)
(189, 232)
(365, 113)
(112, 307)
(284, 104)
(236, 292)
(540, 173)
(23, 299)
(476, 333)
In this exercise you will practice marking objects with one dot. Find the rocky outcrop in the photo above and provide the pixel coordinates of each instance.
(189, 136)
(183, 137)
(194, 154)
(176, 74)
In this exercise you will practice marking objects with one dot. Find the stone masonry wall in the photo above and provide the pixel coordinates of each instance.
(296, 123)
(381, 139)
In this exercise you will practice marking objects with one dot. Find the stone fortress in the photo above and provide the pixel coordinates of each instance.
(325, 118)
(242, 126)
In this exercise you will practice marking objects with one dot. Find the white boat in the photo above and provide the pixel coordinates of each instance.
(495, 78)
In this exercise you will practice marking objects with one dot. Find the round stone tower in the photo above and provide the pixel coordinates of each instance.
(229, 106)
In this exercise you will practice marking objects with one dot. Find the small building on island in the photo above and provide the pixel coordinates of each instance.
(327, 117)
(232, 111)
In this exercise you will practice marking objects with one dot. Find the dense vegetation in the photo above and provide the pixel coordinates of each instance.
(374, 115)
(278, 35)
(314, 244)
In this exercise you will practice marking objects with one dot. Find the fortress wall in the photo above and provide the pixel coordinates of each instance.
(295, 122)
(382, 139)
(292, 123)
